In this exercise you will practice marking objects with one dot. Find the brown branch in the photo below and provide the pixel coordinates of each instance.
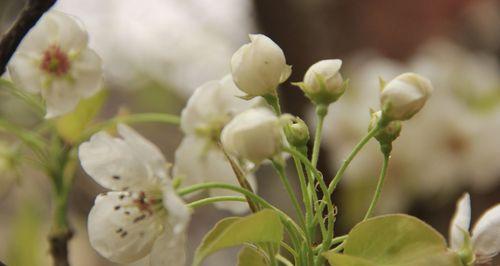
(59, 247)
(28, 17)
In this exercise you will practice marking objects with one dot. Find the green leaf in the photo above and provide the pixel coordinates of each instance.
(262, 227)
(394, 240)
(72, 125)
(251, 256)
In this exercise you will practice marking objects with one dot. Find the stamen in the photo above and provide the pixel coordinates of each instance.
(55, 61)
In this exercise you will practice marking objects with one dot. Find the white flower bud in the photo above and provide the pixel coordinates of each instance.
(404, 96)
(254, 135)
(259, 67)
(323, 83)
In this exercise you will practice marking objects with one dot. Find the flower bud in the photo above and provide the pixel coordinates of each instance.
(259, 66)
(296, 130)
(254, 135)
(404, 96)
(388, 134)
(323, 83)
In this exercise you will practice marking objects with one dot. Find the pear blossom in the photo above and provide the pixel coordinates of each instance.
(323, 83)
(196, 162)
(404, 96)
(484, 240)
(142, 215)
(199, 158)
(255, 135)
(212, 106)
(260, 66)
(55, 61)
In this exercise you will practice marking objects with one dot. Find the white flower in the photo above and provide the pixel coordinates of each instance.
(255, 135)
(54, 60)
(198, 157)
(212, 106)
(142, 215)
(260, 66)
(323, 83)
(484, 241)
(197, 162)
(404, 96)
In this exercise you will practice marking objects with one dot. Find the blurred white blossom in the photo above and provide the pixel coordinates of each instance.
(142, 215)
(54, 60)
(452, 143)
(176, 43)
(199, 158)
(483, 242)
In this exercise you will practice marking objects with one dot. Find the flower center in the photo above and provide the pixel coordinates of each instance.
(55, 61)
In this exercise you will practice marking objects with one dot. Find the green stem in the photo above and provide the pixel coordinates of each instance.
(274, 101)
(378, 190)
(321, 111)
(25, 97)
(351, 156)
(211, 185)
(283, 260)
(206, 201)
(32, 140)
(131, 119)
(306, 197)
(286, 183)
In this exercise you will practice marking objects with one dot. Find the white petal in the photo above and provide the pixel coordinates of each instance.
(189, 162)
(41, 36)
(112, 163)
(87, 73)
(145, 152)
(71, 35)
(25, 72)
(169, 249)
(219, 170)
(486, 234)
(178, 214)
(460, 223)
(60, 98)
(119, 236)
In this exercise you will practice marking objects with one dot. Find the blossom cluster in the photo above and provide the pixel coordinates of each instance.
(231, 127)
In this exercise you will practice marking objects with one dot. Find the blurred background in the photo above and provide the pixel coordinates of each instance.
(156, 52)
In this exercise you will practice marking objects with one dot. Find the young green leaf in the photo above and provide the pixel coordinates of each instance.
(262, 227)
(395, 240)
(71, 126)
(250, 256)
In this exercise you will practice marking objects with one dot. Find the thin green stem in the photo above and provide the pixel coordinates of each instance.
(207, 201)
(378, 189)
(351, 156)
(211, 185)
(306, 197)
(25, 97)
(321, 111)
(132, 119)
(30, 139)
(281, 173)
(274, 101)
(283, 260)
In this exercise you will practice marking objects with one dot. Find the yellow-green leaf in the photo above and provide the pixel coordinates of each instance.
(394, 240)
(71, 125)
(250, 256)
(262, 227)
